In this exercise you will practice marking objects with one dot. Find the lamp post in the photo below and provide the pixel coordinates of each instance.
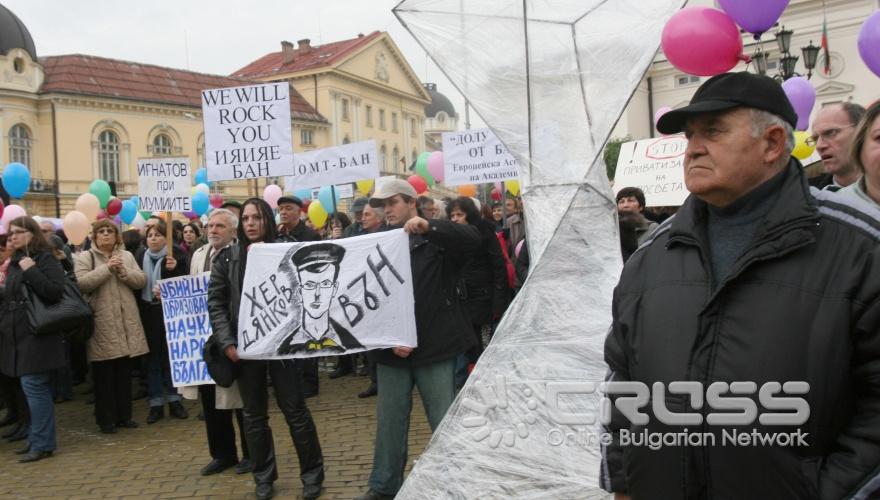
(787, 61)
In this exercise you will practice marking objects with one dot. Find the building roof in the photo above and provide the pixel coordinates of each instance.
(304, 59)
(103, 77)
(14, 34)
(439, 102)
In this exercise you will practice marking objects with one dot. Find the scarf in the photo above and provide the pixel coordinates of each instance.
(153, 270)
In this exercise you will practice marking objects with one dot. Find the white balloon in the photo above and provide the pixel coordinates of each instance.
(138, 221)
(204, 188)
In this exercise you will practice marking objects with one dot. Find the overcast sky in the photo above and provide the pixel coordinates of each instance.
(212, 36)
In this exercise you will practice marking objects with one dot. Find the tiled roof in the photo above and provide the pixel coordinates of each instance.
(311, 58)
(99, 76)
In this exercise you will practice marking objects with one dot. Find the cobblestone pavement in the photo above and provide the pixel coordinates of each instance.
(163, 460)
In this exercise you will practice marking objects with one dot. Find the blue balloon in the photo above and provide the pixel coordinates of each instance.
(202, 176)
(200, 203)
(325, 196)
(16, 179)
(136, 201)
(129, 212)
(303, 194)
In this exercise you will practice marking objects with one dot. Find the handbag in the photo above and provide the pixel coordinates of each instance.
(222, 370)
(70, 314)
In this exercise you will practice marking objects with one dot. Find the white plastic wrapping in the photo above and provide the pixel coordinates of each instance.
(552, 89)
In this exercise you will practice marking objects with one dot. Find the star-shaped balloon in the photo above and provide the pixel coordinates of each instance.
(551, 78)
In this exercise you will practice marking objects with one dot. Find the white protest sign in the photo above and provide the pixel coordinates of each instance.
(655, 167)
(476, 156)
(247, 132)
(322, 299)
(345, 191)
(164, 184)
(187, 327)
(336, 165)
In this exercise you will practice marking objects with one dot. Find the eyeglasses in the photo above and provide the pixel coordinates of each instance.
(828, 135)
(15, 232)
(311, 285)
(105, 230)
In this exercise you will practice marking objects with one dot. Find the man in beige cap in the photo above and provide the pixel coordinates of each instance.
(438, 250)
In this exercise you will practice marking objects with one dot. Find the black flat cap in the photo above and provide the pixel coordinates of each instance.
(290, 199)
(728, 91)
(319, 255)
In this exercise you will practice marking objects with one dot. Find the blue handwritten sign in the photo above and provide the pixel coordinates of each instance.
(185, 309)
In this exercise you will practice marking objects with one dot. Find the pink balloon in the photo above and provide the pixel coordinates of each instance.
(76, 226)
(702, 41)
(216, 200)
(10, 213)
(435, 166)
(271, 195)
(660, 112)
(802, 96)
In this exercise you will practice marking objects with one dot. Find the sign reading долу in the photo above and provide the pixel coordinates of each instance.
(476, 156)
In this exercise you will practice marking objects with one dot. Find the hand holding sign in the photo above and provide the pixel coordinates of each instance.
(170, 263)
(416, 225)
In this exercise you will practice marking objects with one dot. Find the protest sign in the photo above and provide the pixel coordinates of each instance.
(656, 167)
(321, 299)
(345, 191)
(187, 327)
(164, 184)
(337, 165)
(476, 156)
(247, 132)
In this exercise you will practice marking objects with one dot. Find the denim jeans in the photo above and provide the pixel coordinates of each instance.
(38, 391)
(393, 406)
(159, 380)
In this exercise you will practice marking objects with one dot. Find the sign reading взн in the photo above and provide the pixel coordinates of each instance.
(164, 184)
(247, 132)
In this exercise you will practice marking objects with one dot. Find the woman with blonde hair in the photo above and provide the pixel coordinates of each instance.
(107, 275)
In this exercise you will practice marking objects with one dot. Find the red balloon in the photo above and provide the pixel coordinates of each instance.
(215, 199)
(496, 194)
(114, 206)
(418, 183)
(306, 203)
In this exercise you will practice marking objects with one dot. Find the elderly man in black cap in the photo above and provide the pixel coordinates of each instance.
(763, 297)
(318, 269)
(356, 228)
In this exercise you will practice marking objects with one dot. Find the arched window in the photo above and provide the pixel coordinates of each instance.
(383, 158)
(162, 145)
(345, 140)
(108, 155)
(395, 158)
(20, 145)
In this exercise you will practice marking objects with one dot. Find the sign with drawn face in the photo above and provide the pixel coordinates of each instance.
(327, 298)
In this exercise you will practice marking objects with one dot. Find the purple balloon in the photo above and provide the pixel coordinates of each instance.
(802, 97)
(754, 16)
(869, 43)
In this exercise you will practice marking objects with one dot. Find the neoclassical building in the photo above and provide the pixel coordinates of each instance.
(75, 118)
(440, 116)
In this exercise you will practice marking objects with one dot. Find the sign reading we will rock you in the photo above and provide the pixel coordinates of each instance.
(248, 132)
(187, 327)
(476, 156)
(164, 184)
(327, 298)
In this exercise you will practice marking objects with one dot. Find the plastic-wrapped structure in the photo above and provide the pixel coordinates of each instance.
(551, 78)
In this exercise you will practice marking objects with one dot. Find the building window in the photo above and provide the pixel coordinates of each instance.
(394, 122)
(162, 145)
(20, 145)
(108, 155)
(412, 127)
(686, 80)
(345, 115)
(441, 117)
(368, 110)
(383, 158)
(305, 137)
(395, 158)
(346, 140)
(382, 119)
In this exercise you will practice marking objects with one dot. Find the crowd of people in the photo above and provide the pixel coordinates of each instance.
(763, 278)
(465, 259)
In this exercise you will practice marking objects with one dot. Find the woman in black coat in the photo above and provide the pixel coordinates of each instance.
(23, 354)
(156, 264)
(484, 289)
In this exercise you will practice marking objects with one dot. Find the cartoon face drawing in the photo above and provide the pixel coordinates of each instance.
(318, 287)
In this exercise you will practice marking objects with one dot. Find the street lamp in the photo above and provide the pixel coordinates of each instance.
(787, 61)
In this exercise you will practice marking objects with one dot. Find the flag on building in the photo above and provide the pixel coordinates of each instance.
(825, 51)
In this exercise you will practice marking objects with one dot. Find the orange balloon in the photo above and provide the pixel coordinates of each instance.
(468, 190)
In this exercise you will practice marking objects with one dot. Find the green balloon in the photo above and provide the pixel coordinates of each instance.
(422, 168)
(146, 214)
(101, 190)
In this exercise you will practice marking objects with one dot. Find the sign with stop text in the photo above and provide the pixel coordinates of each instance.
(248, 132)
(656, 167)
(476, 156)
(327, 298)
(164, 184)
(337, 165)
(187, 327)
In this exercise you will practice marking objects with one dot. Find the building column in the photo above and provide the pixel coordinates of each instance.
(356, 119)
(334, 113)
